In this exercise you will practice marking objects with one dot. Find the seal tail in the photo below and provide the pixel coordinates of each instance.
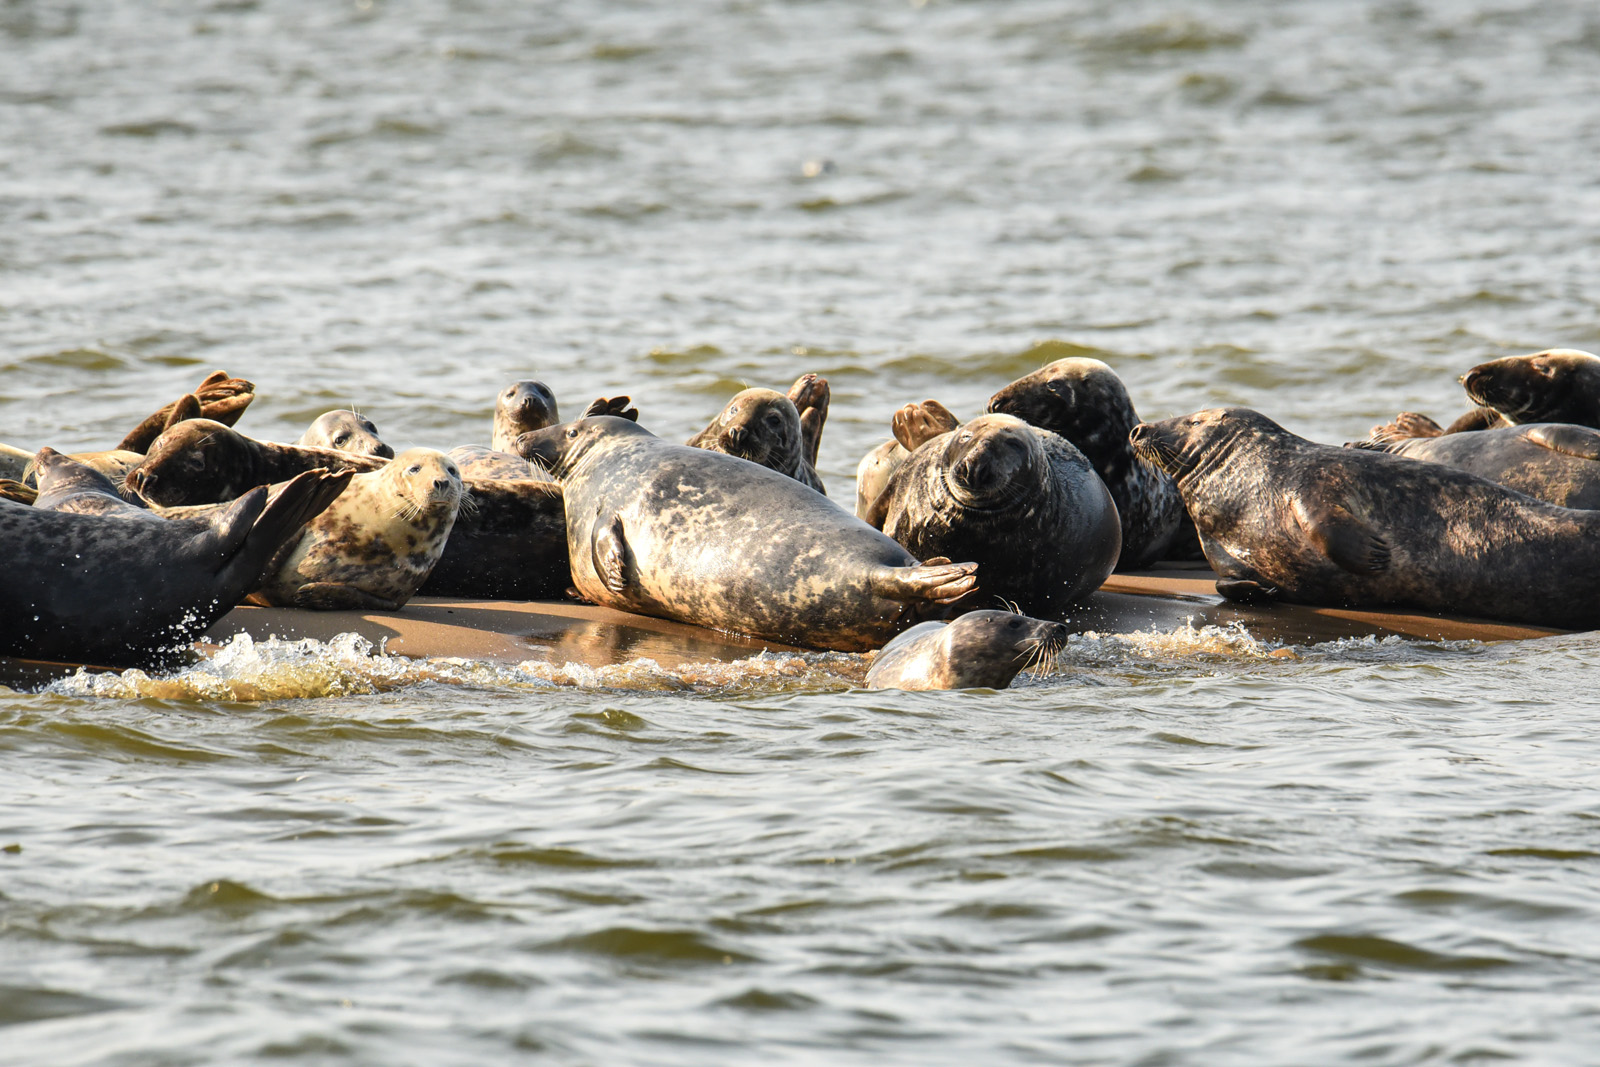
(254, 529)
(938, 581)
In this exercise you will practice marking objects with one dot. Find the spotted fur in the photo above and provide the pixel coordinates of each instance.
(762, 426)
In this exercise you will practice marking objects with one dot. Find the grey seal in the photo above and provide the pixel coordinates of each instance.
(1021, 501)
(348, 431)
(1556, 385)
(762, 426)
(1282, 517)
(374, 547)
(1085, 402)
(1555, 462)
(131, 589)
(203, 462)
(700, 537)
(521, 407)
(979, 650)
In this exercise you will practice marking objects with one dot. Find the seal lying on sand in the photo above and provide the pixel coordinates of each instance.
(686, 534)
(1085, 402)
(375, 546)
(981, 649)
(131, 588)
(218, 398)
(1282, 517)
(762, 426)
(913, 425)
(521, 407)
(202, 462)
(1555, 462)
(1019, 500)
(1556, 385)
(498, 464)
(348, 431)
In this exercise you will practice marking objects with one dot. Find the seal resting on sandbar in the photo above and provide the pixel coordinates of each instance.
(1085, 402)
(1282, 517)
(1556, 462)
(762, 426)
(132, 588)
(979, 650)
(348, 431)
(1556, 385)
(913, 425)
(522, 407)
(375, 546)
(202, 462)
(1021, 501)
(681, 533)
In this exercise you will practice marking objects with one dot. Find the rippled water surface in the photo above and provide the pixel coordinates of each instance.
(1175, 848)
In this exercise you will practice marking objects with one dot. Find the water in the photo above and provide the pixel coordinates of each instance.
(1175, 849)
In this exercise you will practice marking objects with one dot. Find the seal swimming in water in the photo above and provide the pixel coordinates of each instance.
(1555, 462)
(1282, 517)
(348, 431)
(979, 650)
(521, 407)
(1021, 501)
(697, 536)
(1085, 402)
(129, 589)
(374, 547)
(762, 426)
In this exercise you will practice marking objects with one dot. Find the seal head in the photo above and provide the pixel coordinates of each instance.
(981, 649)
(521, 407)
(1557, 385)
(762, 426)
(348, 431)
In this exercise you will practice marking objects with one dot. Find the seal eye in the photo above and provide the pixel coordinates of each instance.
(341, 439)
(572, 433)
(415, 468)
(1015, 624)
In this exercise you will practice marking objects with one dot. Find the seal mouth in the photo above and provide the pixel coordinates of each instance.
(1008, 496)
(1149, 446)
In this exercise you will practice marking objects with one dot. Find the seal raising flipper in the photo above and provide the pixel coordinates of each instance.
(810, 395)
(218, 398)
(611, 556)
(936, 581)
(1342, 537)
(916, 424)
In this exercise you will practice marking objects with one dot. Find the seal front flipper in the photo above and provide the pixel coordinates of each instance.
(611, 556)
(1246, 590)
(937, 580)
(1342, 537)
(1566, 438)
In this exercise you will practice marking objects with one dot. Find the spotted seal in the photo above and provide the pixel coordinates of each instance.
(1021, 501)
(133, 590)
(1555, 462)
(521, 407)
(376, 545)
(697, 536)
(979, 650)
(1282, 517)
(762, 426)
(1084, 401)
(347, 431)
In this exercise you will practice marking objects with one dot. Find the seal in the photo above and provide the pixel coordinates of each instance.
(521, 407)
(1282, 517)
(509, 543)
(1556, 385)
(373, 548)
(1085, 402)
(687, 534)
(348, 431)
(218, 398)
(762, 426)
(979, 650)
(1021, 501)
(132, 589)
(1555, 462)
(202, 462)
(913, 424)
(499, 464)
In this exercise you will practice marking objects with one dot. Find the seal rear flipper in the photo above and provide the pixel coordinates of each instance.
(17, 492)
(1246, 590)
(332, 596)
(916, 424)
(611, 405)
(937, 580)
(611, 556)
(1568, 439)
(1343, 538)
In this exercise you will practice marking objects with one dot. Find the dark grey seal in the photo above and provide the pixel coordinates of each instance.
(700, 537)
(203, 462)
(521, 407)
(1021, 501)
(762, 426)
(132, 588)
(1556, 385)
(348, 431)
(979, 650)
(1555, 462)
(1085, 402)
(1282, 517)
